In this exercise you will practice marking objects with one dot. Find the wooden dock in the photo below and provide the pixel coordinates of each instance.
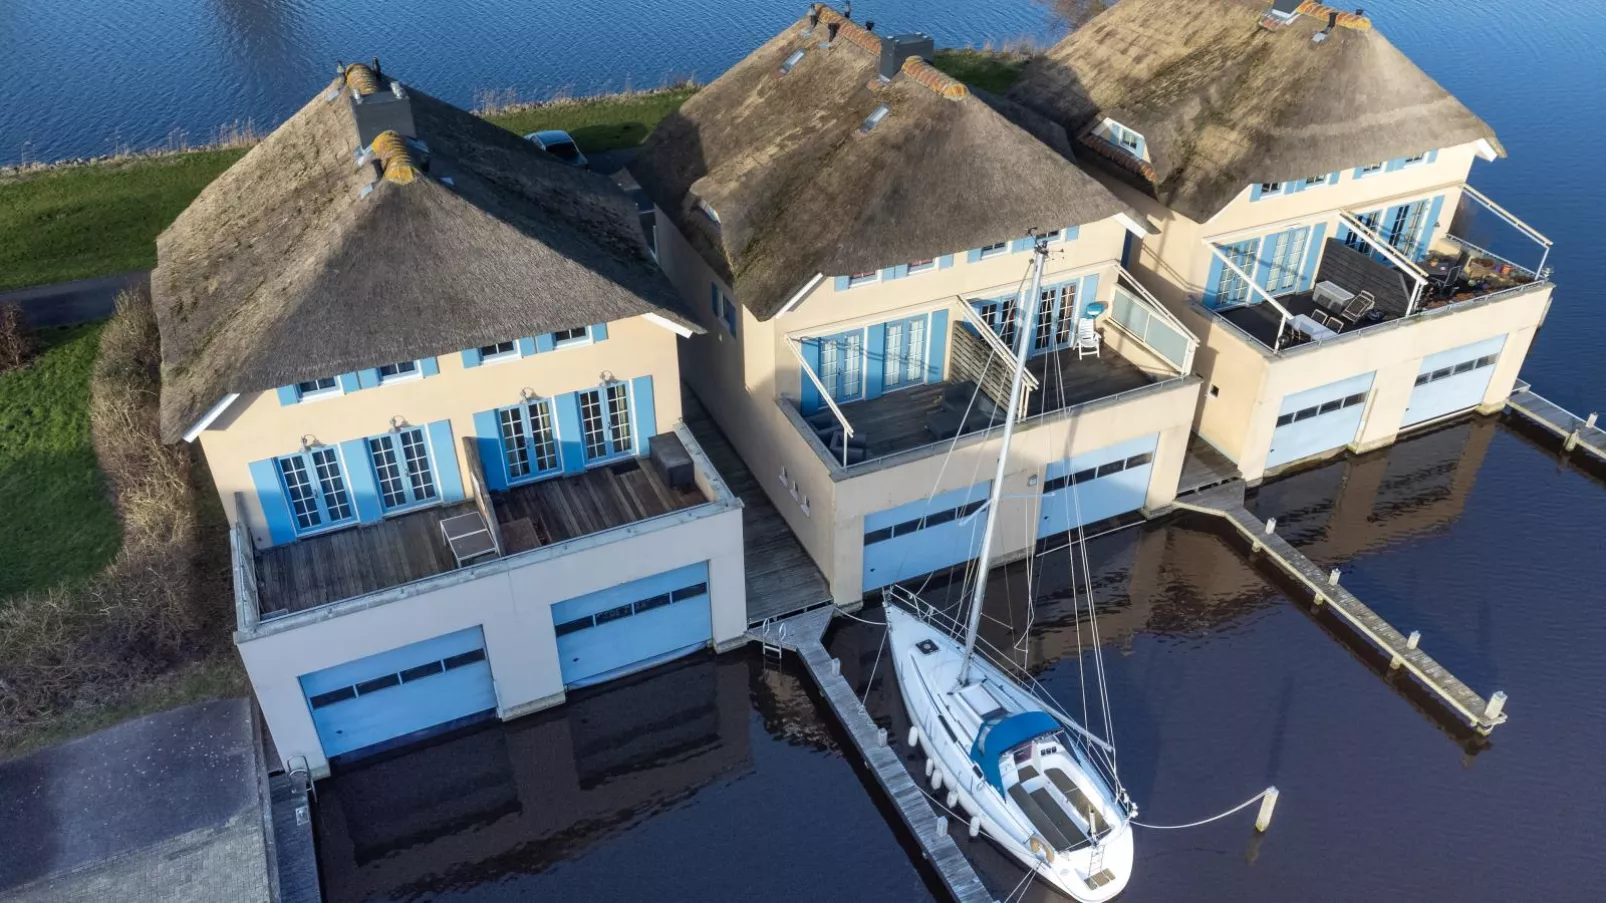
(1575, 432)
(1227, 501)
(803, 634)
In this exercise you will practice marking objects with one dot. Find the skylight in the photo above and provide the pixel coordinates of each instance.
(874, 119)
(708, 211)
(791, 61)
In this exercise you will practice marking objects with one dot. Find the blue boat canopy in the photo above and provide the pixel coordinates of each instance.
(999, 735)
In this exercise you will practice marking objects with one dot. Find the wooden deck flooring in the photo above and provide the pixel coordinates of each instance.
(803, 634)
(781, 577)
(896, 421)
(1575, 432)
(561, 509)
(1204, 467)
(1226, 501)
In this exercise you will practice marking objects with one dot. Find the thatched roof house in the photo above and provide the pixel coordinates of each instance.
(303, 262)
(1224, 101)
(777, 148)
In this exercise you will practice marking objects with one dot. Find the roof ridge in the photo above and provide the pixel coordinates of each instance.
(847, 28)
(1347, 20)
(396, 159)
(917, 68)
(361, 79)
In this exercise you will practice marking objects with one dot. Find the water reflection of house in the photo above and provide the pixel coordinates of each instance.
(515, 798)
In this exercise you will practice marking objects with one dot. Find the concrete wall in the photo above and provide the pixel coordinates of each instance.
(257, 426)
(510, 598)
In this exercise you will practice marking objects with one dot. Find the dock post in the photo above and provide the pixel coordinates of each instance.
(1268, 804)
(881, 737)
(1497, 704)
(1271, 525)
(1413, 639)
(1332, 577)
(942, 824)
(1572, 440)
(1589, 422)
(836, 666)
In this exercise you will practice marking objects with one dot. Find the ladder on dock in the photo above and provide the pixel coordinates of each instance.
(1226, 502)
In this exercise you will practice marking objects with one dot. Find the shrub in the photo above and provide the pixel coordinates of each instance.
(18, 344)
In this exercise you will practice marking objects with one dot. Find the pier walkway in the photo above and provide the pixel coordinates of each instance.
(1575, 432)
(1227, 501)
(803, 634)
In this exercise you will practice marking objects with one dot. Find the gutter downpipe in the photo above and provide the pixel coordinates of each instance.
(1027, 309)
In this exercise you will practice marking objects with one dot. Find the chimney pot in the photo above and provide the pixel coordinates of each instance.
(869, 25)
(1332, 21)
(830, 32)
(896, 49)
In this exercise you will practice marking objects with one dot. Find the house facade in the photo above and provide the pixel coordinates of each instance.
(444, 421)
(1316, 230)
(860, 310)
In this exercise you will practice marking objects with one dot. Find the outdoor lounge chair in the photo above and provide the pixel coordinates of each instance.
(1088, 339)
(1357, 308)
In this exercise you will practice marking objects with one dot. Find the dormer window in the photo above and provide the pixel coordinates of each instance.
(1126, 139)
(708, 211)
(874, 119)
(791, 61)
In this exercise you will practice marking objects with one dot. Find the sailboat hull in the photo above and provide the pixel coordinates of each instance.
(929, 666)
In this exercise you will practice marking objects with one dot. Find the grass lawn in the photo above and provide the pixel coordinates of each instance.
(83, 221)
(58, 522)
(989, 70)
(599, 125)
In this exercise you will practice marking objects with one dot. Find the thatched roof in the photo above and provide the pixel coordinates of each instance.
(1224, 102)
(281, 271)
(800, 191)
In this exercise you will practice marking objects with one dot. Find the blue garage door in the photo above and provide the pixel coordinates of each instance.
(409, 692)
(923, 536)
(632, 626)
(1096, 485)
(1453, 380)
(1319, 420)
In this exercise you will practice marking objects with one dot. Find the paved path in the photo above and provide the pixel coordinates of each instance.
(167, 807)
(66, 303)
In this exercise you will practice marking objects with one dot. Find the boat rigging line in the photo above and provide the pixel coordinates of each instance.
(1267, 798)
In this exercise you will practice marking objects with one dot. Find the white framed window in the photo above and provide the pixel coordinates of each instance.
(565, 338)
(1125, 137)
(315, 485)
(605, 425)
(1314, 181)
(501, 351)
(788, 64)
(323, 387)
(1414, 160)
(529, 439)
(994, 250)
(723, 307)
(921, 266)
(857, 279)
(708, 211)
(1270, 188)
(1369, 169)
(1056, 235)
(399, 371)
(402, 467)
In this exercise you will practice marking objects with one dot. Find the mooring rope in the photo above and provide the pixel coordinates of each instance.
(1238, 808)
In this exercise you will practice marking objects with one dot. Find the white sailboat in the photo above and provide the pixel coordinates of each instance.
(1037, 783)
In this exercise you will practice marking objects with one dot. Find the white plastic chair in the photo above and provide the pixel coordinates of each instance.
(1087, 338)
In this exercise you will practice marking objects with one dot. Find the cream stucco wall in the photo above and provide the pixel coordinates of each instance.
(257, 426)
(510, 598)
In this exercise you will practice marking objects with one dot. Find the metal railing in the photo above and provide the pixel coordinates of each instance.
(242, 556)
(825, 395)
(1141, 315)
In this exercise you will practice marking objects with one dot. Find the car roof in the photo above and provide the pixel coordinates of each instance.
(554, 135)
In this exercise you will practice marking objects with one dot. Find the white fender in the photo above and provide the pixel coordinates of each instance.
(975, 826)
(936, 779)
(914, 737)
(930, 764)
(953, 798)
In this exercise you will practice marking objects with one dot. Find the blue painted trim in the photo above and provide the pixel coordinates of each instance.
(1212, 288)
(1313, 257)
(368, 379)
(1433, 156)
(1087, 293)
(571, 441)
(937, 337)
(599, 332)
(471, 357)
(289, 395)
(898, 272)
(1262, 270)
(713, 297)
(429, 366)
(488, 439)
(362, 481)
(1332, 178)
(1429, 223)
(841, 283)
(275, 507)
(810, 396)
(349, 382)
(973, 255)
(1019, 245)
(529, 345)
(1072, 233)
(875, 363)
(448, 476)
(1255, 192)
(945, 261)
(1395, 165)
(644, 411)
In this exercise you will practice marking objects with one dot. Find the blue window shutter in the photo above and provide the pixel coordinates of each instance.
(841, 283)
(875, 367)
(646, 413)
(1019, 245)
(275, 509)
(730, 316)
(1255, 192)
(1360, 172)
(488, 439)
(945, 261)
(973, 255)
(1294, 187)
(1262, 268)
(1332, 178)
(289, 395)
(362, 480)
(571, 442)
(938, 337)
(349, 382)
(430, 366)
(368, 379)
(1433, 156)
(713, 295)
(897, 272)
(471, 357)
(1313, 256)
(810, 399)
(529, 345)
(448, 477)
(1212, 288)
(1395, 165)
(1088, 293)
(1428, 226)
(599, 332)
(1072, 233)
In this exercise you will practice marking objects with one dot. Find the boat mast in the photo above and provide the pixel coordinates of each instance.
(1027, 313)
